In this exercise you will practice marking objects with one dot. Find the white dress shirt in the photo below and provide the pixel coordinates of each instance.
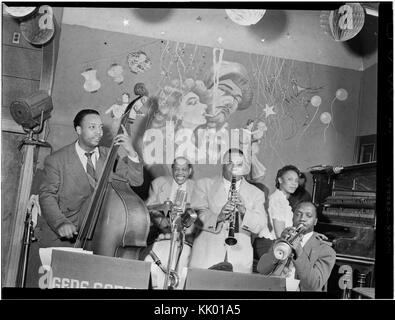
(174, 188)
(95, 156)
(228, 183)
(279, 208)
(292, 284)
(84, 160)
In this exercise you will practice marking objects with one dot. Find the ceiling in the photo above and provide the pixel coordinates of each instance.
(289, 34)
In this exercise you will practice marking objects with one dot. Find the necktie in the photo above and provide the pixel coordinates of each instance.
(90, 169)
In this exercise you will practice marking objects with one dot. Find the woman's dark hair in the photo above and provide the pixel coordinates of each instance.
(283, 170)
(81, 115)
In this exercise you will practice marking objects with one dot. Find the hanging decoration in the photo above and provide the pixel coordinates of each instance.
(245, 17)
(138, 62)
(269, 110)
(117, 110)
(115, 72)
(316, 101)
(91, 84)
(344, 23)
(39, 28)
(325, 117)
(341, 94)
(19, 12)
(251, 139)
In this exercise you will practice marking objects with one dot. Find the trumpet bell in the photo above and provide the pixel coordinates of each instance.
(282, 250)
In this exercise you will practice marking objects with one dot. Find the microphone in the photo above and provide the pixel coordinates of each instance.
(180, 200)
(188, 218)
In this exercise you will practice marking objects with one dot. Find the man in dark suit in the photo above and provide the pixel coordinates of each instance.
(313, 258)
(71, 173)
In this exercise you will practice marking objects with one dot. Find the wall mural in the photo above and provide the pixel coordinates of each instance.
(200, 95)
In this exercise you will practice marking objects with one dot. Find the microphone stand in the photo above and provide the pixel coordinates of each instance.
(28, 238)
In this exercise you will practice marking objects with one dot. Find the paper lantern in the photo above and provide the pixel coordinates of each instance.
(341, 94)
(325, 117)
(316, 101)
(91, 84)
(115, 72)
(39, 28)
(245, 17)
(19, 12)
(344, 23)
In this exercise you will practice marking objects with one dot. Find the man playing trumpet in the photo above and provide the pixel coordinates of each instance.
(216, 210)
(310, 260)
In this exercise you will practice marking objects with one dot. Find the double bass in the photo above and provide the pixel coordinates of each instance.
(116, 222)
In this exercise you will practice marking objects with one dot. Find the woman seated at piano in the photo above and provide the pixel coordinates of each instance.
(280, 211)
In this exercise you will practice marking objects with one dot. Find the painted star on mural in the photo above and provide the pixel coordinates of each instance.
(269, 110)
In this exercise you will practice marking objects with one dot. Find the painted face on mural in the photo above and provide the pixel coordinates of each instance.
(225, 102)
(90, 131)
(191, 110)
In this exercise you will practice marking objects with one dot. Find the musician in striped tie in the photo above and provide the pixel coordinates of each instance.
(71, 174)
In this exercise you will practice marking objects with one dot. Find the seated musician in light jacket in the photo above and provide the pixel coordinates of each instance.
(313, 259)
(163, 189)
(215, 208)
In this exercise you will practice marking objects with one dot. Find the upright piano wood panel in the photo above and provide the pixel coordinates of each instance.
(347, 216)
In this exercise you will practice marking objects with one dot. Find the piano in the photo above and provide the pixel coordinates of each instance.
(346, 201)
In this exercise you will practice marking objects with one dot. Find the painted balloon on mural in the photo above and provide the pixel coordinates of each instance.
(344, 23)
(245, 17)
(138, 62)
(341, 94)
(316, 101)
(91, 83)
(115, 72)
(325, 117)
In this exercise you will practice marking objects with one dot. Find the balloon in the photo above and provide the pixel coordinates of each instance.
(245, 17)
(325, 117)
(316, 101)
(344, 23)
(341, 94)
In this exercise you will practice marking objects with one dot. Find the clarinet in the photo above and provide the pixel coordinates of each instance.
(234, 219)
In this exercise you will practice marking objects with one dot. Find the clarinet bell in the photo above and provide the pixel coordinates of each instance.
(230, 241)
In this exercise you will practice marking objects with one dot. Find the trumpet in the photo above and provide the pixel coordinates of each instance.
(234, 219)
(283, 247)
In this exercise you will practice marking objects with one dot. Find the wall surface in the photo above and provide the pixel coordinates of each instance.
(289, 34)
(295, 133)
(367, 122)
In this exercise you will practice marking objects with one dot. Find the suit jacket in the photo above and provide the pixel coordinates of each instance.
(65, 190)
(161, 188)
(209, 247)
(313, 267)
